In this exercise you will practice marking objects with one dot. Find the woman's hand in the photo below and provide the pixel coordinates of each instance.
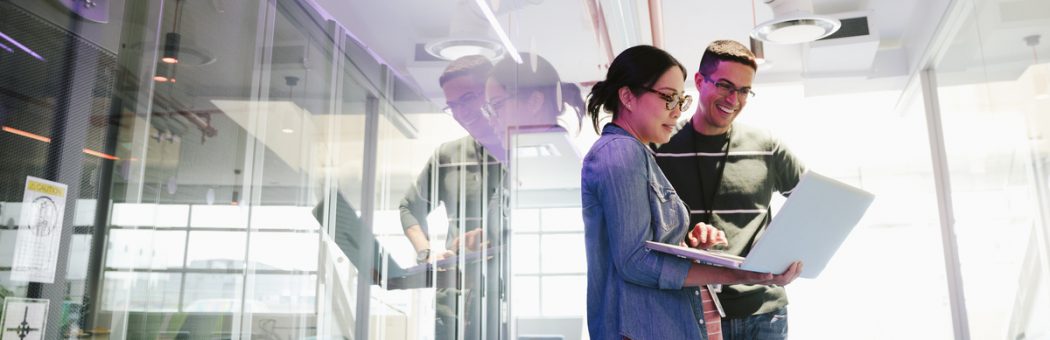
(701, 274)
(705, 236)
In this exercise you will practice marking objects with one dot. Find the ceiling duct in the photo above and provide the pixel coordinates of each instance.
(793, 23)
(850, 51)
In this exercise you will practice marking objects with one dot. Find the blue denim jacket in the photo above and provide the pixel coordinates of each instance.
(632, 291)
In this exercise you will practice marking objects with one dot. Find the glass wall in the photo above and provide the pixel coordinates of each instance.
(230, 170)
(993, 107)
(889, 157)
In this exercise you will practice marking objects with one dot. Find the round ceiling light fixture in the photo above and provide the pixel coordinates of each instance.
(794, 29)
(452, 49)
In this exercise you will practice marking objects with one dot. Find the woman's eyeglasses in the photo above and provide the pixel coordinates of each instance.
(682, 102)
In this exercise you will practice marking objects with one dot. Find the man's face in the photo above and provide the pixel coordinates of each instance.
(721, 94)
(465, 95)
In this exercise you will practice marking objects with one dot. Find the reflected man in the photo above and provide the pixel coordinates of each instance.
(464, 176)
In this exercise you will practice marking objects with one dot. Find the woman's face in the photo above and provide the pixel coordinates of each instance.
(508, 110)
(647, 113)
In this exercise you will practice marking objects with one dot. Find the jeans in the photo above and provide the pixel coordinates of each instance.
(768, 326)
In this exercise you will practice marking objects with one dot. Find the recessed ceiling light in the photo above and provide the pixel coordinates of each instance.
(453, 49)
(794, 29)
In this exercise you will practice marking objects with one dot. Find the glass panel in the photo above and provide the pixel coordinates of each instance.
(561, 219)
(216, 293)
(125, 291)
(57, 124)
(216, 250)
(142, 249)
(992, 102)
(525, 258)
(563, 254)
(526, 299)
(225, 195)
(217, 216)
(898, 171)
(560, 297)
(284, 251)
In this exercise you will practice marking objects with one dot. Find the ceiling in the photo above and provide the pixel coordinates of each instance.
(563, 32)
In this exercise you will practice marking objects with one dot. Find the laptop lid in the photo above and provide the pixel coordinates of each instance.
(810, 227)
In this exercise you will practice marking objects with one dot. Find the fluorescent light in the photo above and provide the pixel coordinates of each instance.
(499, 30)
(27, 134)
(20, 46)
(101, 155)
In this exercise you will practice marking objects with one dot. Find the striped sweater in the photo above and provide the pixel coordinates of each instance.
(757, 166)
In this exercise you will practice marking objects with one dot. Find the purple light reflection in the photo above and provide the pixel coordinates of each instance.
(20, 46)
(5, 48)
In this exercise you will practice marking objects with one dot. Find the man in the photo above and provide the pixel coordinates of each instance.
(466, 177)
(726, 173)
(463, 83)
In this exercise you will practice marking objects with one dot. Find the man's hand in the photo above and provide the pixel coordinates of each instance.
(705, 236)
(441, 255)
(782, 279)
(474, 240)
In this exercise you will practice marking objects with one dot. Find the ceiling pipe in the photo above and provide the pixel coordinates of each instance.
(656, 22)
(601, 30)
(782, 7)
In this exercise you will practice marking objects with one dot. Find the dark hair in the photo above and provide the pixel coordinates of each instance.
(472, 65)
(637, 67)
(535, 73)
(725, 50)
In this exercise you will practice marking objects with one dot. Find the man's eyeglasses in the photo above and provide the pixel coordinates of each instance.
(682, 102)
(463, 101)
(725, 88)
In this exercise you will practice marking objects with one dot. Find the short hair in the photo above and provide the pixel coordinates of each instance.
(725, 50)
(475, 66)
(636, 68)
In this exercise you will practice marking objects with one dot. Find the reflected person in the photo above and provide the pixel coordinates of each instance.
(529, 96)
(463, 176)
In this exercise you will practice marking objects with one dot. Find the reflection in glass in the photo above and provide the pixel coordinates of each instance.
(216, 250)
(145, 248)
(130, 291)
(217, 293)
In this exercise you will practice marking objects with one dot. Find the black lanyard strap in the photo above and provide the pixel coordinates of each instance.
(709, 204)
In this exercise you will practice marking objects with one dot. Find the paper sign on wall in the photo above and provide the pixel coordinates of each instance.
(39, 231)
(24, 319)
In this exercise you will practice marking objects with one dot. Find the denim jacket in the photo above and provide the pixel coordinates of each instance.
(631, 291)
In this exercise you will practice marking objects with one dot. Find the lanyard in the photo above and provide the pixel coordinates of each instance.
(709, 204)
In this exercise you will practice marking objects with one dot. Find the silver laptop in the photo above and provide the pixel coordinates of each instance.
(810, 227)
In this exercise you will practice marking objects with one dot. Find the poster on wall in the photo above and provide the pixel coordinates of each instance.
(24, 319)
(39, 231)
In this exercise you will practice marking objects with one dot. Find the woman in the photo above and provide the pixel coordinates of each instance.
(632, 292)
